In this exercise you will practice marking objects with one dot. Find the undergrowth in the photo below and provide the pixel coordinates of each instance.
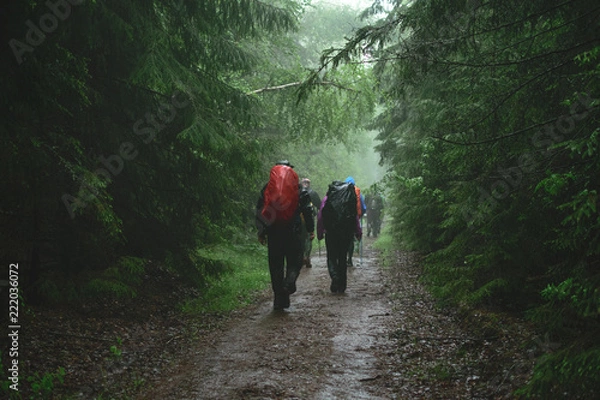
(245, 274)
(386, 245)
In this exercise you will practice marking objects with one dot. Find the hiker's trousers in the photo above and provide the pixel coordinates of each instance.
(337, 244)
(285, 258)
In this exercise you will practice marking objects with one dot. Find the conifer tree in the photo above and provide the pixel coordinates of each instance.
(123, 135)
(490, 127)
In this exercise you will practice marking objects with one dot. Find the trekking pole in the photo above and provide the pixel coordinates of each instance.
(361, 244)
(361, 251)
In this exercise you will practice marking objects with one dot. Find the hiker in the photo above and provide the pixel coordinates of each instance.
(282, 211)
(337, 221)
(375, 206)
(361, 209)
(315, 201)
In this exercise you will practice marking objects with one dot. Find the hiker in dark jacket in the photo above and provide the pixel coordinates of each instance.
(337, 242)
(375, 207)
(315, 202)
(285, 245)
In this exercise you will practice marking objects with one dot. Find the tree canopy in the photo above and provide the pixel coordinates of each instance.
(127, 124)
(490, 132)
(138, 131)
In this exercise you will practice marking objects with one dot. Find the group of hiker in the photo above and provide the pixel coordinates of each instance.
(285, 218)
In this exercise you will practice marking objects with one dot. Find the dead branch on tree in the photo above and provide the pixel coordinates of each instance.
(293, 84)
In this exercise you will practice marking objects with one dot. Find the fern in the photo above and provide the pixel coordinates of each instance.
(104, 287)
(571, 373)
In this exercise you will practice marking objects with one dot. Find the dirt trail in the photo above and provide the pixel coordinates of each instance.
(376, 341)
(323, 347)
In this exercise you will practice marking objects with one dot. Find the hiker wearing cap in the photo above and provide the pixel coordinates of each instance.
(280, 211)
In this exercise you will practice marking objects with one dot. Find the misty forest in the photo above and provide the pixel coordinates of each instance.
(136, 136)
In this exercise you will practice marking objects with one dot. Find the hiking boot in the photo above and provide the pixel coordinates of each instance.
(333, 287)
(290, 288)
(281, 301)
(286, 301)
(308, 263)
(277, 306)
(281, 304)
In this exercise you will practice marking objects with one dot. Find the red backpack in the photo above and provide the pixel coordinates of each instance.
(281, 195)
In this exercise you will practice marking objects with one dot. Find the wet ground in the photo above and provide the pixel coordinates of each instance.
(383, 339)
(323, 347)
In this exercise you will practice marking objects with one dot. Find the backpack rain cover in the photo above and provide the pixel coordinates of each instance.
(281, 195)
(339, 212)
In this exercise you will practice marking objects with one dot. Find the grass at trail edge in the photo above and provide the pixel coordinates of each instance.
(245, 275)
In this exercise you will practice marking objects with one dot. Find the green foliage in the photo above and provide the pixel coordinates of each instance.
(115, 349)
(572, 373)
(103, 286)
(119, 280)
(131, 269)
(50, 290)
(490, 132)
(123, 134)
(441, 372)
(141, 130)
(323, 26)
(246, 273)
(385, 241)
(42, 386)
(571, 309)
(582, 298)
(324, 135)
(341, 102)
(387, 246)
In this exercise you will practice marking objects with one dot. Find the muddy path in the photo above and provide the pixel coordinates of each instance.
(382, 339)
(324, 346)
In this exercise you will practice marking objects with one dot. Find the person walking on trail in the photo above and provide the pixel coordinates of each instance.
(375, 207)
(361, 209)
(315, 203)
(338, 222)
(282, 211)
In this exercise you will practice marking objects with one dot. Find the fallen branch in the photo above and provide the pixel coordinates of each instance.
(387, 314)
(288, 85)
(173, 338)
(370, 379)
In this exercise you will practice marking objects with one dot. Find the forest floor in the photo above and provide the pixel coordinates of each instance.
(383, 339)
